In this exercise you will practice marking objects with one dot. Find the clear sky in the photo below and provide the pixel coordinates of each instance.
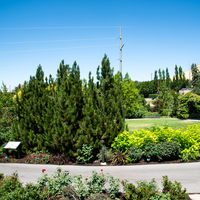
(155, 33)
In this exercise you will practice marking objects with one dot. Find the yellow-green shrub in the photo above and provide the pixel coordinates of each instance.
(188, 139)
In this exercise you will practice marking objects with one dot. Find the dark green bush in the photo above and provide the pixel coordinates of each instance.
(144, 190)
(174, 189)
(137, 113)
(162, 151)
(153, 96)
(134, 154)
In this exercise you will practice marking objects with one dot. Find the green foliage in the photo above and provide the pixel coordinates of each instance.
(98, 196)
(195, 74)
(103, 111)
(147, 87)
(62, 115)
(54, 184)
(114, 186)
(137, 113)
(145, 190)
(165, 99)
(134, 154)
(196, 89)
(63, 186)
(162, 151)
(151, 114)
(189, 103)
(9, 184)
(168, 142)
(86, 154)
(131, 95)
(37, 158)
(108, 154)
(174, 189)
(153, 96)
(7, 115)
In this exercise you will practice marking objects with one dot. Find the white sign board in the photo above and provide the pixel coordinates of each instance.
(12, 145)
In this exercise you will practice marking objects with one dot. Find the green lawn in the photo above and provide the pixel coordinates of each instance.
(137, 124)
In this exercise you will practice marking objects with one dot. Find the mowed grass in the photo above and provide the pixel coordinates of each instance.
(137, 124)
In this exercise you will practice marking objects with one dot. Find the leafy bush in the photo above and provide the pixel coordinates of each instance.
(108, 153)
(146, 190)
(134, 154)
(85, 155)
(153, 96)
(9, 183)
(149, 114)
(188, 140)
(137, 113)
(65, 187)
(162, 151)
(174, 189)
(143, 191)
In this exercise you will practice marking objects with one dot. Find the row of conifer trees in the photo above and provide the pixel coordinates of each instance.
(62, 115)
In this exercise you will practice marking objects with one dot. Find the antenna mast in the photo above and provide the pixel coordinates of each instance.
(121, 46)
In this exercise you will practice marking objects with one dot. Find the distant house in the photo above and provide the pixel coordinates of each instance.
(185, 90)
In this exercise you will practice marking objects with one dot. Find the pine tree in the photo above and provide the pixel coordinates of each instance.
(68, 103)
(30, 109)
(195, 74)
(104, 115)
(167, 78)
(109, 103)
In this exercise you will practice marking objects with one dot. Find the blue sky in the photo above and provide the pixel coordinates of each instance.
(155, 34)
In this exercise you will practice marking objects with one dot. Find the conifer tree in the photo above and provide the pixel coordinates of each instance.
(195, 74)
(30, 109)
(109, 103)
(167, 78)
(104, 115)
(68, 103)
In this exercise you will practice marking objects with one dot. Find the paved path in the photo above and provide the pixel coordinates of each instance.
(186, 173)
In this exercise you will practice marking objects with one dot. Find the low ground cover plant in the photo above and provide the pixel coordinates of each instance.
(62, 185)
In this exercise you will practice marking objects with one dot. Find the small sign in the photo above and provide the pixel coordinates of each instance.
(12, 145)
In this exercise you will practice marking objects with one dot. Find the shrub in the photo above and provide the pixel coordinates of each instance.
(153, 96)
(137, 113)
(134, 154)
(119, 158)
(174, 189)
(146, 190)
(108, 153)
(85, 155)
(143, 191)
(38, 157)
(188, 140)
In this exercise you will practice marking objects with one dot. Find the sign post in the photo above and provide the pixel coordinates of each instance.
(13, 145)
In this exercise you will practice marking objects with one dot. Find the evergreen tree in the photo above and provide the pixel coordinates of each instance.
(163, 75)
(68, 104)
(104, 115)
(196, 89)
(160, 75)
(195, 74)
(30, 109)
(167, 78)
